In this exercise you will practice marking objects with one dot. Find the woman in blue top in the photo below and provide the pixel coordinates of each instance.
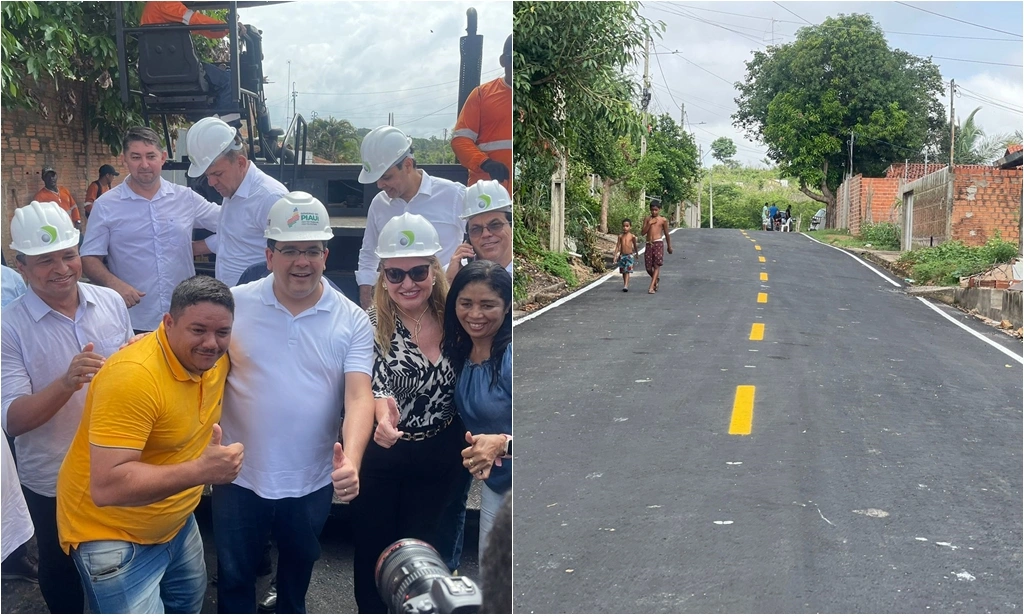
(478, 341)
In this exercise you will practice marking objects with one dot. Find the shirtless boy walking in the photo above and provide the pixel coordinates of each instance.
(626, 252)
(655, 228)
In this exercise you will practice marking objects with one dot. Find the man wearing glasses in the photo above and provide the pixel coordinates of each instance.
(487, 210)
(388, 161)
(303, 352)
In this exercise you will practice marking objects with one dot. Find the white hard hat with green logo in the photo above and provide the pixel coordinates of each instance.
(39, 228)
(485, 196)
(298, 217)
(381, 148)
(408, 235)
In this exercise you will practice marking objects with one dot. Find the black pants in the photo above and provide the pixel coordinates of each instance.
(402, 492)
(58, 577)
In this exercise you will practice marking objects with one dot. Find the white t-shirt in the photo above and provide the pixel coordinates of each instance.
(286, 387)
(438, 200)
(148, 242)
(38, 344)
(239, 240)
(17, 523)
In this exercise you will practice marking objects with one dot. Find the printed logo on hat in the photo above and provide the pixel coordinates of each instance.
(47, 234)
(294, 218)
(366, 166)
(483, 202)
(407, 238)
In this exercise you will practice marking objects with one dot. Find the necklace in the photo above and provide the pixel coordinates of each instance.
(416, 331)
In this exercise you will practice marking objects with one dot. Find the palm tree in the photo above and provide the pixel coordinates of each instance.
(972, 146)
(335, 140)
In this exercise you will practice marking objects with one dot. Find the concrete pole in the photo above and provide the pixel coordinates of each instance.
(711, 189)
(700, 185)
(646, 120)
(952, 123)
(556, 239)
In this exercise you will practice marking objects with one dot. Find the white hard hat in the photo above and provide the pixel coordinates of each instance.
(39, 228)
(485, 196)
(408, 235)
(298, 217)
(381, 147)
(206, 141)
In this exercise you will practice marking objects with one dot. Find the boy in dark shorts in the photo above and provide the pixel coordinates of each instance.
(626, 252)
(655, 227)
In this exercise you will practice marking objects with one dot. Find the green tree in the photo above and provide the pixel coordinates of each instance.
(723, 149)
(804, 99)
(569, 62)
(972, 146)
(335, 140)
(677, 164)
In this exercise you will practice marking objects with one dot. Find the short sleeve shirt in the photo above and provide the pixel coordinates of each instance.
(486, 408)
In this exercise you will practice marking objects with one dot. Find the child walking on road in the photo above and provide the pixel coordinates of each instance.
(655, 227)
(626, 252)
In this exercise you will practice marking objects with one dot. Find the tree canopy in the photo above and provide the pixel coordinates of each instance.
(804, 99)
(723, 149)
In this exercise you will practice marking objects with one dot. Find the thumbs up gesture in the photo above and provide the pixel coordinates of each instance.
(387, 432)
(484, 452)
(221, 464)
(345, 477)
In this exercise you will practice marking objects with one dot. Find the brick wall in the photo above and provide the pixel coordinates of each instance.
(930, 209)
(871, 200)
(28, 141)
(986, 200)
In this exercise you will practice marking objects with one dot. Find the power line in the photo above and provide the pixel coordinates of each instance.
(786, 21)
(977, 61)
(791, 12)
(710, 23)
(666, 81)
(676, 53)
(997, 105)
(446, 107)
(917, 8)
(434, 85)
(985, 96)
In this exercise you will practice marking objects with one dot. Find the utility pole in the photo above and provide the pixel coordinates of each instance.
(849, 167)
(711, 208)
(682, 115)
(700, 188)
(952, 123)
(295, 96)
(286, 85)
(644, 101)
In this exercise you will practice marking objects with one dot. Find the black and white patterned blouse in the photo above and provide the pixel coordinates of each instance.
(424, 391)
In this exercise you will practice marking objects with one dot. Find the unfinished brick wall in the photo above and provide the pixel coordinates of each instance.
(872, 200)
(986, 200)
(29, 141)
(931, 205)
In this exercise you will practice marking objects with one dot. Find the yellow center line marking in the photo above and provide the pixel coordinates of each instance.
(764, 276)
(742, 410)
(757, 331)
(756, 247)
(761, 259)
(762, 298)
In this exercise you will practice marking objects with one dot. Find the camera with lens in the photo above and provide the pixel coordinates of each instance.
(413, 579)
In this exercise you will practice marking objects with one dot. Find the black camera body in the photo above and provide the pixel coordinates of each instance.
(413, 579)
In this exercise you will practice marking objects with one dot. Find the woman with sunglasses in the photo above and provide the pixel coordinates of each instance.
(410, 467)
(478, 341)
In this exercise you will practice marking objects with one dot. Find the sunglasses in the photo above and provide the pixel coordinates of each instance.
(494, 227)
(396, 276)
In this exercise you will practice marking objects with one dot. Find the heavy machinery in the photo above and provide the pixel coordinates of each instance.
(171, 83)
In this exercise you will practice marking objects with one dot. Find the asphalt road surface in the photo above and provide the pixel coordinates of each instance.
(330, 590)
(882, 471)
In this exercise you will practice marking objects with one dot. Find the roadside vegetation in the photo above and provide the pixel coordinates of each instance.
(946, 263)
(881, 236)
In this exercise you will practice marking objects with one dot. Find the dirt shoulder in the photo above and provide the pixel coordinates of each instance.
(545, 288)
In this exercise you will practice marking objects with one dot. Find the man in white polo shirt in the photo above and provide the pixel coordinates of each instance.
(55, 337)
(388, 161)
(216, 151)
(143, 226)
(301, 352)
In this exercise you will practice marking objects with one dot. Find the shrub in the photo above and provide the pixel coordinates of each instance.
(884, 235)
(948, 262)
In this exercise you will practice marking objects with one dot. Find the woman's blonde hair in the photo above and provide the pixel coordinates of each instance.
(387, 310)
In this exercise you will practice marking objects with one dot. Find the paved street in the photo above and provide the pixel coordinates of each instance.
(882, 471)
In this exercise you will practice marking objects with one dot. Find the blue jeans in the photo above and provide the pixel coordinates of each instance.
(490, 503)
(242, 521)
(452, 525)
(121, 577)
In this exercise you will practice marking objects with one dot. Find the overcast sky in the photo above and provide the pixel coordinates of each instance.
(715, 39)
(344, 53)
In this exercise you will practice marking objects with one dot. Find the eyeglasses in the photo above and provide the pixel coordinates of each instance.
(495, 227)
(396, 276)
(291, 253)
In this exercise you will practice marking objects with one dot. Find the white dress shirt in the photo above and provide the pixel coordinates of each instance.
(148, 242)
(438, 200)
(38, 344)
(239, 240)
(17, 523)
(13, 285)
(286, 387)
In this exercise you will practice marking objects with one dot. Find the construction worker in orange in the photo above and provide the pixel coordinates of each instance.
(177, 13)
(58, 194)
(482, 140)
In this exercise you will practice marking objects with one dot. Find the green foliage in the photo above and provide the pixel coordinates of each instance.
(883, 236)
(740, 193)
(335, 140)
(723, 149)
(946, 263)
(803, 100)
(674, 158)
(60, 43)
(568, 74)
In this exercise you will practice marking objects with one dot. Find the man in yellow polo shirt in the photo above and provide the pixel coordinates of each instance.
(147, 444)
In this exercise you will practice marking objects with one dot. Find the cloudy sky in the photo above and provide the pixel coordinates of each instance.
(714, 39)
(360, 61)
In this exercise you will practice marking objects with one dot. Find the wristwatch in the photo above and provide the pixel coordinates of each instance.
(507, 453)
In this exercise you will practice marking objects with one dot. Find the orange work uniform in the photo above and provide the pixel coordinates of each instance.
(62, 198)
(177, 13)
(484, 130)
